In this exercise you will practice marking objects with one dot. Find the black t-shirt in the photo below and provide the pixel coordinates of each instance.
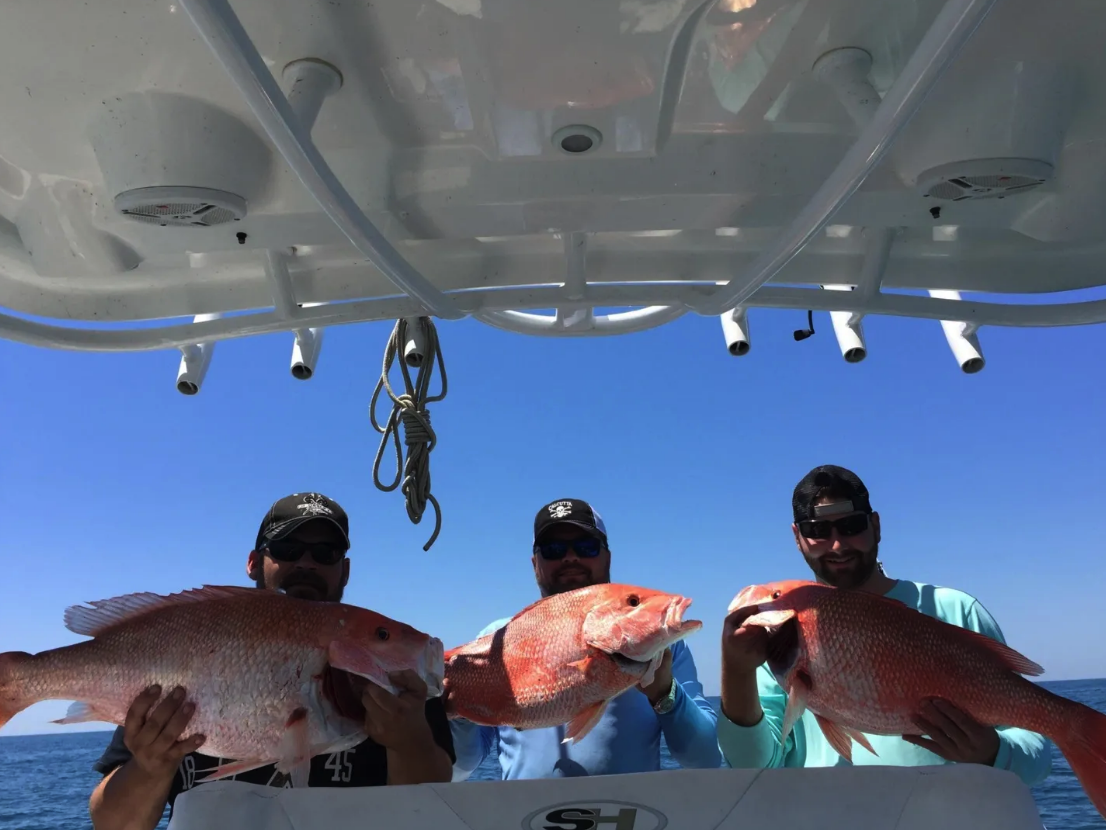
(365, 765)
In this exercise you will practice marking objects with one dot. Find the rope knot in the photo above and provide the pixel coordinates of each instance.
(410, 410)
(416, 427)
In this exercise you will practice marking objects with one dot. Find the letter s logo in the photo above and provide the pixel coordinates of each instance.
(570, 818)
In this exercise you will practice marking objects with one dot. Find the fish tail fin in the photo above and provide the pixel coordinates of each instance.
(1083, 743)
(12, 699)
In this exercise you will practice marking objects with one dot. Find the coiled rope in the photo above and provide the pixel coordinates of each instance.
(410, 409)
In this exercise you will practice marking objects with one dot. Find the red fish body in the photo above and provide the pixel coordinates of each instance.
(563, 658)
(258, 665)
(863, 663)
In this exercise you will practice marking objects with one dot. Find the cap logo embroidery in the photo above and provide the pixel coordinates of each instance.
(560, 509)
(835, 509)
(313, 503)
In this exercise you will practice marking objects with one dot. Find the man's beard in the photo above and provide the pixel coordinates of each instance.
(304, 579)
(858, 574)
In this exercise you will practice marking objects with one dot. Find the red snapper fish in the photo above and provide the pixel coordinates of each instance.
(258, 665)
(563, 658)
(863, 663)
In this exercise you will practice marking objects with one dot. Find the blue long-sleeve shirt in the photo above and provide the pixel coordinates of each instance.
(626, 739)
(1022, 752)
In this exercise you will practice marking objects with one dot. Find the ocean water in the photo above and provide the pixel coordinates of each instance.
(45, 780)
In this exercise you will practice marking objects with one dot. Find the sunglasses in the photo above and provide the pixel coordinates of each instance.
(323, 553)
(823, 528)
(553, 551)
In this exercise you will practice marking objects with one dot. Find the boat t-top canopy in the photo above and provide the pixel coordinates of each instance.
(184, 171)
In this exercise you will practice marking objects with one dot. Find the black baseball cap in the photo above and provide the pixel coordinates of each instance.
(573, 512)
(295, 510)
(833, 481)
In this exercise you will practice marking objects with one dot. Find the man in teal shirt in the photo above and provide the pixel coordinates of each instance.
(838, 534)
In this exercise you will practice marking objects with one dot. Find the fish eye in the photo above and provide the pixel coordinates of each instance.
(777, 594)
(382, 633)
(633, 601)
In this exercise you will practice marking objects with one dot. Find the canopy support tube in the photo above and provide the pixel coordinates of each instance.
(228, 40)
(951, 29)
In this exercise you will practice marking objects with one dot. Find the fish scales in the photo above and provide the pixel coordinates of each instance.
(563, 658)
(863, 663)
(258, 666)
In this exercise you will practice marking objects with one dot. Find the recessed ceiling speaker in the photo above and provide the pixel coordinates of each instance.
(989, 130)
(181, 206)
(982, 179)
(173, 161)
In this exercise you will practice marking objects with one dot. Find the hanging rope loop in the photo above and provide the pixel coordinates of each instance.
(417, 339)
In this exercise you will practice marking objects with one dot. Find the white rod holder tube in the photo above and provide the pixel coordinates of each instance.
(305, 352)
(845, 71)
(310, 82)
(414, 350)
(195, 360)
(735, 328)
(962, 338)
(848, 328)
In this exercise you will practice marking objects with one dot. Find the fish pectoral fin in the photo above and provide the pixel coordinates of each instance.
(82, 713)
(295, 750)
(796, 705)
(233, 768)
(841, 738)
(582, 664)
(583, 723)
(355, 659)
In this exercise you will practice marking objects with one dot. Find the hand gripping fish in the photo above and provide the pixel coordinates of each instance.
(864, 663)
(257, 664)
(563, 658)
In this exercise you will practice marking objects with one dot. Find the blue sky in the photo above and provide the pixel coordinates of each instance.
(113, 482)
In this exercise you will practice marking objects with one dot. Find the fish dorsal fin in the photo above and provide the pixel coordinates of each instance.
(1011, 659)
(105, 614)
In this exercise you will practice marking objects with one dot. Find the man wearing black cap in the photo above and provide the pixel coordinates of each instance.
(571, 551)
(300, 550)
(838, 534)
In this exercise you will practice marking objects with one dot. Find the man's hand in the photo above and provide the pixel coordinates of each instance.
(662, 679)
(954, 735)
(743, 648)
(398, 722)
(152, 736)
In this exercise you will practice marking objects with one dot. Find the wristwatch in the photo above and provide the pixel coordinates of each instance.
(665, 704)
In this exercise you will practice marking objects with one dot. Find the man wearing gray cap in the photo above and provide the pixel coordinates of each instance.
(838, 534)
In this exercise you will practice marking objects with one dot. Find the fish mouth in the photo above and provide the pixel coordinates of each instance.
(674, 618)
(770, 618)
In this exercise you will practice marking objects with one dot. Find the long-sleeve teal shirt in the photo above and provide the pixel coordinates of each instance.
(1022, 752)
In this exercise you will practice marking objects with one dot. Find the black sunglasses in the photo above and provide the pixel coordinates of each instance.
(852, 525)
(324, 553)
(555, 550)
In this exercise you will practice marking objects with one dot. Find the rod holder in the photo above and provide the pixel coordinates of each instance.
(735, 328)
(962, 338)
(195, 360)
